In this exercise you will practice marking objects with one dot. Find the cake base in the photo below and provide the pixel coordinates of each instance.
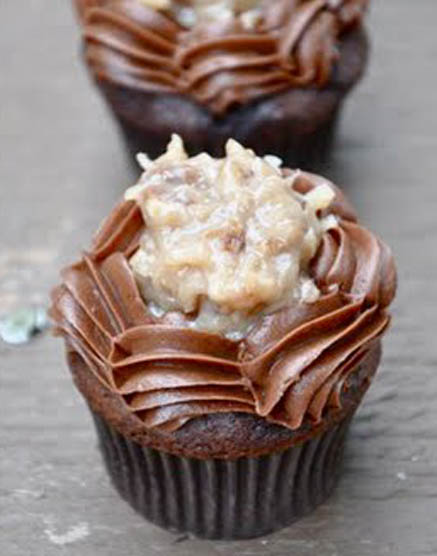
(222, 476)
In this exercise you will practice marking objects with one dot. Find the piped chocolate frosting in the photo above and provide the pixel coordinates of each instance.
(293, 365)
(220, 64)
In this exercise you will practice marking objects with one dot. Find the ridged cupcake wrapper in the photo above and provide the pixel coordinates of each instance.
(296, 150)
(299, 140)
(221, 499)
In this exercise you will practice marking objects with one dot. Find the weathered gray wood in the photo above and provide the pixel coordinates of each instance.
(61, 168)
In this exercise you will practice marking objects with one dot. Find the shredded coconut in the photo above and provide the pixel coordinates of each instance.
(227, 238)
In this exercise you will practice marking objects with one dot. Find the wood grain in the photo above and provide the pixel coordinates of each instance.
(62, 168)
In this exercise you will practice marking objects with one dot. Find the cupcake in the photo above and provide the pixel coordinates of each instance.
(271, 73)
(223, 329)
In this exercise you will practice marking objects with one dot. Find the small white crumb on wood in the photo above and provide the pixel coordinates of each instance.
(74, 534)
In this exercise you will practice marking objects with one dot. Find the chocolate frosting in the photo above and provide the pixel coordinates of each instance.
(292, 366)
(219, 64)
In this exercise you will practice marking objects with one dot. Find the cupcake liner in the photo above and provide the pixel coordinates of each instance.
(223, 499)
(301, 139)
(309, 151)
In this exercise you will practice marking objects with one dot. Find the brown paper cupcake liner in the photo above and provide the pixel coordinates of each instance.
(308, 150)
(223, 499)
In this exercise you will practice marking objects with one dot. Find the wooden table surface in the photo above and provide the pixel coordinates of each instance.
(62, 168)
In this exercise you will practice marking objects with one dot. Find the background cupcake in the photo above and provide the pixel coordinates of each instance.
(273, 74)
(223, 329)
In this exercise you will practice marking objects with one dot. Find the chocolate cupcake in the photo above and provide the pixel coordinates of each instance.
(223, 330)
(270, 73)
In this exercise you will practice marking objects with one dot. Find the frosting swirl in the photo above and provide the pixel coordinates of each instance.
(220, 64)
(292, 366)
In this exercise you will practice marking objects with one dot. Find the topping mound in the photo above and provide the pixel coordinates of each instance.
(190, 12)
(226, 240)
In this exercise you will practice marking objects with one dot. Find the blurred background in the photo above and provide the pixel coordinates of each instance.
(62, 167)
